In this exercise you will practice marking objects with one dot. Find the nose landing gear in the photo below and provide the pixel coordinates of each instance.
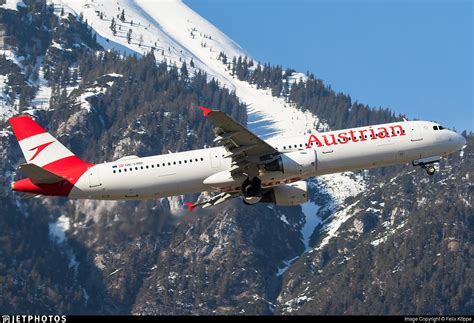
(427, 164)
(430, 169)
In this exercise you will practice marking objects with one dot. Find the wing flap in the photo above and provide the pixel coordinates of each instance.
(215, 200)
(39, 175)
(243, 146)
(230, 133)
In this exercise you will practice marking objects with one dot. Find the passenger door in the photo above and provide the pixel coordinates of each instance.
(215, 158)
(415, 132)
(94, 178)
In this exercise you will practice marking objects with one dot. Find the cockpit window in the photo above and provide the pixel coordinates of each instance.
(435, 127)
(441, 127)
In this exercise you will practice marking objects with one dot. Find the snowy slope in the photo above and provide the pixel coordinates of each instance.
(12, 4)
(177, 34)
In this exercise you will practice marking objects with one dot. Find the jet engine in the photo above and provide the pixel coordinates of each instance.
(294, 163)
(252, 190)
(289, 194)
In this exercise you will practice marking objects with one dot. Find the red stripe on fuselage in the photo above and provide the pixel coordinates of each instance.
(71, 168)
(25, 127)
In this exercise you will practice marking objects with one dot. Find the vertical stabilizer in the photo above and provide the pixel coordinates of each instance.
(38, 146)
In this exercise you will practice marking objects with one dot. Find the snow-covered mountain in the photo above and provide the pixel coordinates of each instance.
(178, 34)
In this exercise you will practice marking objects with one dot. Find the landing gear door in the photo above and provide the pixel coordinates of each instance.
(415, 132)
(94, 179)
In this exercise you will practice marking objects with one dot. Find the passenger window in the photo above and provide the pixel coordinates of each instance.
(120, 170)
(284, 147)
(136, 168)
(202, 159)
(124, 169)
(114, 171)
(190, 160)
(185, 161)
(179, 162)
(141, 167)
(174, 163)
(152, 166)
(146, 166)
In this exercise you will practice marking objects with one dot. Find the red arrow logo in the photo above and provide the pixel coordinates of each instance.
(39, 149)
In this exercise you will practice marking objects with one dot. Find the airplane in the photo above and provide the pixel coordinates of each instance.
(242, 165)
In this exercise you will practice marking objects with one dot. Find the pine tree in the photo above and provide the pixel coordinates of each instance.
(184, 72)
(113, 26)
(122, 15)
(129, 35)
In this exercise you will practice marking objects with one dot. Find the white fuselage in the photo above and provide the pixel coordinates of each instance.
(132, 178)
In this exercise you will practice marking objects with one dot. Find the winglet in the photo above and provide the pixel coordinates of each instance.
(205, 110)
(190, 206)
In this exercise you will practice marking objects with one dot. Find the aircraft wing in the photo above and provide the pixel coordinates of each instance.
(217, 199)
(243, 146)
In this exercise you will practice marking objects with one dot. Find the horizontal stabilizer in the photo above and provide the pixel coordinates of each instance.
(39, 175)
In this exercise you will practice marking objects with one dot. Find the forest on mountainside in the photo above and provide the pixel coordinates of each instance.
(308, 93)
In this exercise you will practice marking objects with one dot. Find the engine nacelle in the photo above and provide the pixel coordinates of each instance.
(252, 199)
(286, 195)
(294, 163)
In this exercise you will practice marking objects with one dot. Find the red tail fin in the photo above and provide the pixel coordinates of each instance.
(41, 149)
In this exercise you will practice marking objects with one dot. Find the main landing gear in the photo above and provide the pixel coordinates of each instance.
(427, 164)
